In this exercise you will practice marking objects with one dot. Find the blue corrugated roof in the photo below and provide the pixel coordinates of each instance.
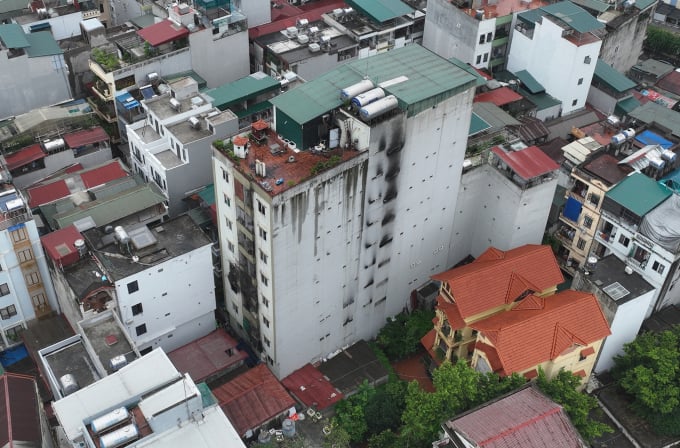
(650, 138)
(127, 101)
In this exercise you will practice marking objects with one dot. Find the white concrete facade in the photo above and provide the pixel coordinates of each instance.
(564, 68)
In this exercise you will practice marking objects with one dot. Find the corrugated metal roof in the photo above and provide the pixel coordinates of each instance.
(525, 419)
(627, 105)
(103, 174)
(612, 78)
(162, 32)
(500, 96)
(429, 78)
(59, 245)
(529, 82)
(638, 193)
(643, 4)
(574, 16)
(19, 408)
(24, 156)
(42, 44)
(528, 163)
(381, 10)
(86, 137)
(310, 386)
(208, 194)
(594, 5)
(241, 89)
(477, 125)
(44, 194)
(13, 36)
(651, 112)
(494, 115)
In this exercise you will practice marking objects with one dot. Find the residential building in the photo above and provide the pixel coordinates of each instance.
(98, 349)
(501, 313)
(147, 403)
(506, 201)
(253, 399)
(145, 273)
(172, 146)
(634, 226)
(86, 148)
(579, 220)
(610, 91)
(26, 292)
(524, 416)
(331, 193)
(476, 32)
(624, 298)
(537, 101)
(24, 422)
(650, 70)
(136, 58)
(60, 19)
(560, 54)
(29, 60)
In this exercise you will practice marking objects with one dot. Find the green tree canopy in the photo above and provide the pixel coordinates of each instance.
(401, 334)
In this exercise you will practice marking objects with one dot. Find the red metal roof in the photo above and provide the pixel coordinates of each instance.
(540, 329)
(74, 168)
(253, 398)
(211, 354)
(19, 412)
(162, 32)
(285, 22)
(428, 342)
(528, 163)
(86, 137)
(99, 176)
(499, 97)
(524, 419)
(260, 125)
(59, 245)
(24, 156)
(44, 194)
(311, 387)
(488, 281)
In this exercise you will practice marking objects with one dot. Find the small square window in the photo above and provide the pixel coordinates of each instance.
(624, 240)
(234, 307)
(581, 244)
(227, 200)
(481, 39)
(230, 246)
(265, 302)
(267, 342)
(580, 81)
(587, 60)
(140, 330)
(132, 287)
(265, 321)
(658, 267)
(264, 280)
(263, 257)
(228, 223)
(574, 103)
(489, 36)
(486, 57)
(137, 309)
(587, 222)
(225, 175)
(4, 289)
(261, 208)
(479, 59)
(263, 234)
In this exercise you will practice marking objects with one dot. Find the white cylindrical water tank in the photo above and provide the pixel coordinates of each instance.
(121, 235)
(378, 108)
(350, 92)
(368, 97)
(119, 437)
(54, 145)
(629, 133)
(617, 139)
(108, 420)
(288, 428)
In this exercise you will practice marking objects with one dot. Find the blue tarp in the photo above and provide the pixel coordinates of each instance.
(127, 101)
(13, 355)
(650, 138)
(572, 209)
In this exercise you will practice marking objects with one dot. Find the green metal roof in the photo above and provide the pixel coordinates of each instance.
(199, 216)
(477, 125)
(431, 79)
(241, 90)
(12, 5)
(470, 69)
(643, 4)
(542, 101)
(144, 20)
(612, 78)
(13, 36)
(572, 15)
(639, 193)
(529, 82)
(241, 113)
(595, 5)
(626, 106)
(381, 10)
(662, 116)
(42, 44)
(208, 194)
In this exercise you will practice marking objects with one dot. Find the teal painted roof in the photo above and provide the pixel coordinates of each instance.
(570, 14)
(664, 117)
(241, 90)
(644, 4)
(208, 194)
(477, 125)
(381, 10)
(470, 69)
(42, 44)
(628, 105)
(542, 100)
(431, 79)
(639, 193)
(144, 20)
(595, 5)
(612, 78)
(13, 36)
(529, 82)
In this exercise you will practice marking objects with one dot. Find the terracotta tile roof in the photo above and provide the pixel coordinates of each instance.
(311, 387)
(490, 280)
(209, 355)
(428, 342)
(19, 414)
(491, 355)
(541, 329)
(452, 314)
(523, 419)
(253, 398)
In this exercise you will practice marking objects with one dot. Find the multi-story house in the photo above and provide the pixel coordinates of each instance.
(637, 227)
(158, 278)
(476, 32)
(579, 220)
(501, 314)
(325, 232)
(26, 292)
(29, 60)
(172, 146)
(559, 53)
(610, 91)
(147, 403)
(186, 40)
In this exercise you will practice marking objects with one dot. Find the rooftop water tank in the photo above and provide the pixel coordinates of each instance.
(68, 384)
(350, 92)
(365, 98)
(108, 420)
(378, 108)
(617, 139)
(119, 437)
(54, 145)
(288, 428)
(629, 133)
